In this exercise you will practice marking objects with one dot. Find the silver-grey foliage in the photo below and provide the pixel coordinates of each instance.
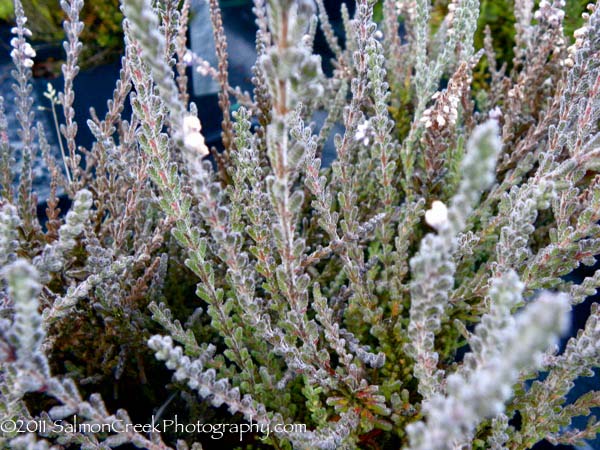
(334, 297)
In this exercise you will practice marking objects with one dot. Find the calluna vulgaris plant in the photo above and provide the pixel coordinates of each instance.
(332, 297)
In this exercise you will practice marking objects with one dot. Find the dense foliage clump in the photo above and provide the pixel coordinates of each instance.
(410, 295)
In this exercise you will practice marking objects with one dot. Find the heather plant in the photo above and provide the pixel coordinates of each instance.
(412, 294)
(102, 36)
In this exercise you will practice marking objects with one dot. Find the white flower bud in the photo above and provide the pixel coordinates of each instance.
(437, 216)
(191, 124)
(362, 132)
(195, 142)
(580, 32)
(28, 50)
(495, 113)
(192, 138)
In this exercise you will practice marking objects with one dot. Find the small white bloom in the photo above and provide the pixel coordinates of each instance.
(192, 138)
(28, 50)
(437, 216)
(195, 142)
(440, 120)
(361, 132)
(426, 118)
(203, 68)
(188, 57)
(191, 124)
(495, 113)
(378, 34)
